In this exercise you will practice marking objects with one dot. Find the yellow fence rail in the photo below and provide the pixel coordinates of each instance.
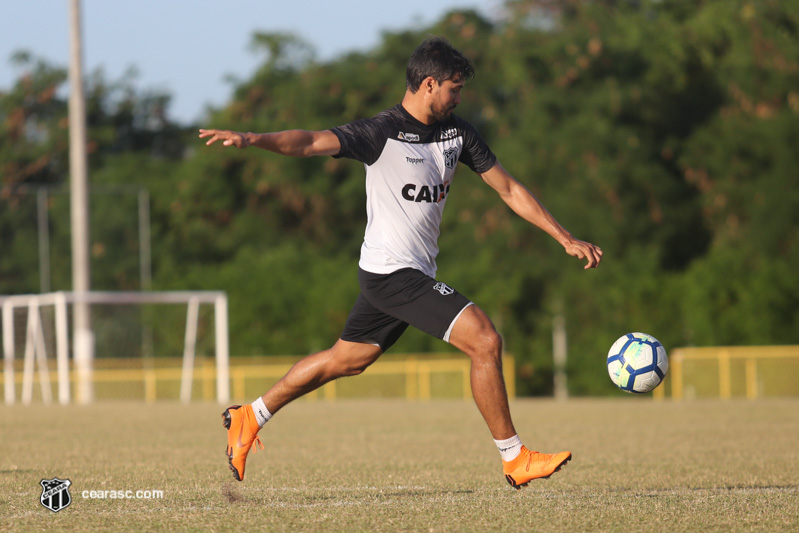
(751, 357)
(415, 372)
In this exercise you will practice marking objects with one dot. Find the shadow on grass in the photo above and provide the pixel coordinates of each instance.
(334, 496)
(717, 489)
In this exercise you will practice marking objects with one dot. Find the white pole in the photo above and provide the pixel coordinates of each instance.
(559, 353)
(8, 352)
(222, 350)
(62, 347)
(44, 239)
(41, 360)
(145, 262)
(145, 270)
(30, 352)
(189, 349)
(78, 165)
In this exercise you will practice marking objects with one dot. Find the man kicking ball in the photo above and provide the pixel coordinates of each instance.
(410, 153)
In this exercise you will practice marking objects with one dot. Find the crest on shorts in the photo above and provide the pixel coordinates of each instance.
(55, 493)
(451, 157)
(443, 288)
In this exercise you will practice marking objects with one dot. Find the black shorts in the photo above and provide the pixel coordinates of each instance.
(388, 303)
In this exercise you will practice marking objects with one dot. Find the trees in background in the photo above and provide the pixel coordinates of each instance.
(663, 131)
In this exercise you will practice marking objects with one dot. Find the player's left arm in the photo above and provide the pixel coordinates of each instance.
(527, 206)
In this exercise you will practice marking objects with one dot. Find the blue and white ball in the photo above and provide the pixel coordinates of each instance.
(637, 363)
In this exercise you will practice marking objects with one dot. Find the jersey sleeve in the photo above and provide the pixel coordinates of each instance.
(362, 140)
(476, 153)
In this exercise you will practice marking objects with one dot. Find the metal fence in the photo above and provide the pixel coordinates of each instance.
(732, 372)
(416, 377)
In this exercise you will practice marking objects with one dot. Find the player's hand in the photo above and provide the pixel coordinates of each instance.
(587, 251)
(228, 138)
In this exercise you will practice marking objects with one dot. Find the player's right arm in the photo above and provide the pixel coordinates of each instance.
(297, 143)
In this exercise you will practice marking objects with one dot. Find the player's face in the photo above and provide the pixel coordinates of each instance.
(447, 97)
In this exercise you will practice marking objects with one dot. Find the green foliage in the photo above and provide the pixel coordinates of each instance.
(133, 147)
(664, 131)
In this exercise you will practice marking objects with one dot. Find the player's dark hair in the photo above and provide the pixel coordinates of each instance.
(436, 58)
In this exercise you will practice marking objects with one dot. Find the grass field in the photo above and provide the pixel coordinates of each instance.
(396, 466)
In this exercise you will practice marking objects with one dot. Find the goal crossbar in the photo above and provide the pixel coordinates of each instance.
(35, 351)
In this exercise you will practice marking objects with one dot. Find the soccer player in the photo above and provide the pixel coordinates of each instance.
(410, 153)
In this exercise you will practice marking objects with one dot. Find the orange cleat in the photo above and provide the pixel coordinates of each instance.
(533, 465)
(242, 434)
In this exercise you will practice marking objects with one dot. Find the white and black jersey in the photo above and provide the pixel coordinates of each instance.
(409, 171)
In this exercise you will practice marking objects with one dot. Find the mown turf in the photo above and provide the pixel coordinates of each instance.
(396, 466)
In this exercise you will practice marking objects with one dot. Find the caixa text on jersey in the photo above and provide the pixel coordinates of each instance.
(425, 193)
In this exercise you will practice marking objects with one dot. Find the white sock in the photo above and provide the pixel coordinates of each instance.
(262, 414)
(510, 448)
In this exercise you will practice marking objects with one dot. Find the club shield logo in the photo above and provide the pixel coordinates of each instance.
(451, 157)
(443, 288)
(55, 494)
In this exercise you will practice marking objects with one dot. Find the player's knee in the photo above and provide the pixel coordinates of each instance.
(353, 368)
(349, 363)
(488, 346)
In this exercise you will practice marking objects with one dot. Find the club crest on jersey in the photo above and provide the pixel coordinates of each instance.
(443, 288)
(451, 157)
(55, 494)
(411, 137)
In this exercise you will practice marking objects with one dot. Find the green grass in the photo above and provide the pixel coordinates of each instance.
(385, 465)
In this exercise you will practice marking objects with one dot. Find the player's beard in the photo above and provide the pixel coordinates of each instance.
(441, 113)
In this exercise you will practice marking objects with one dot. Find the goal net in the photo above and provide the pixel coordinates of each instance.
(148, 345)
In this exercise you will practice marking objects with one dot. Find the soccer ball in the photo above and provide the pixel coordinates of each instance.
(637, 363)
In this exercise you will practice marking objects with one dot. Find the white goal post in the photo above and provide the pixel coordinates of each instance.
(35, 346)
